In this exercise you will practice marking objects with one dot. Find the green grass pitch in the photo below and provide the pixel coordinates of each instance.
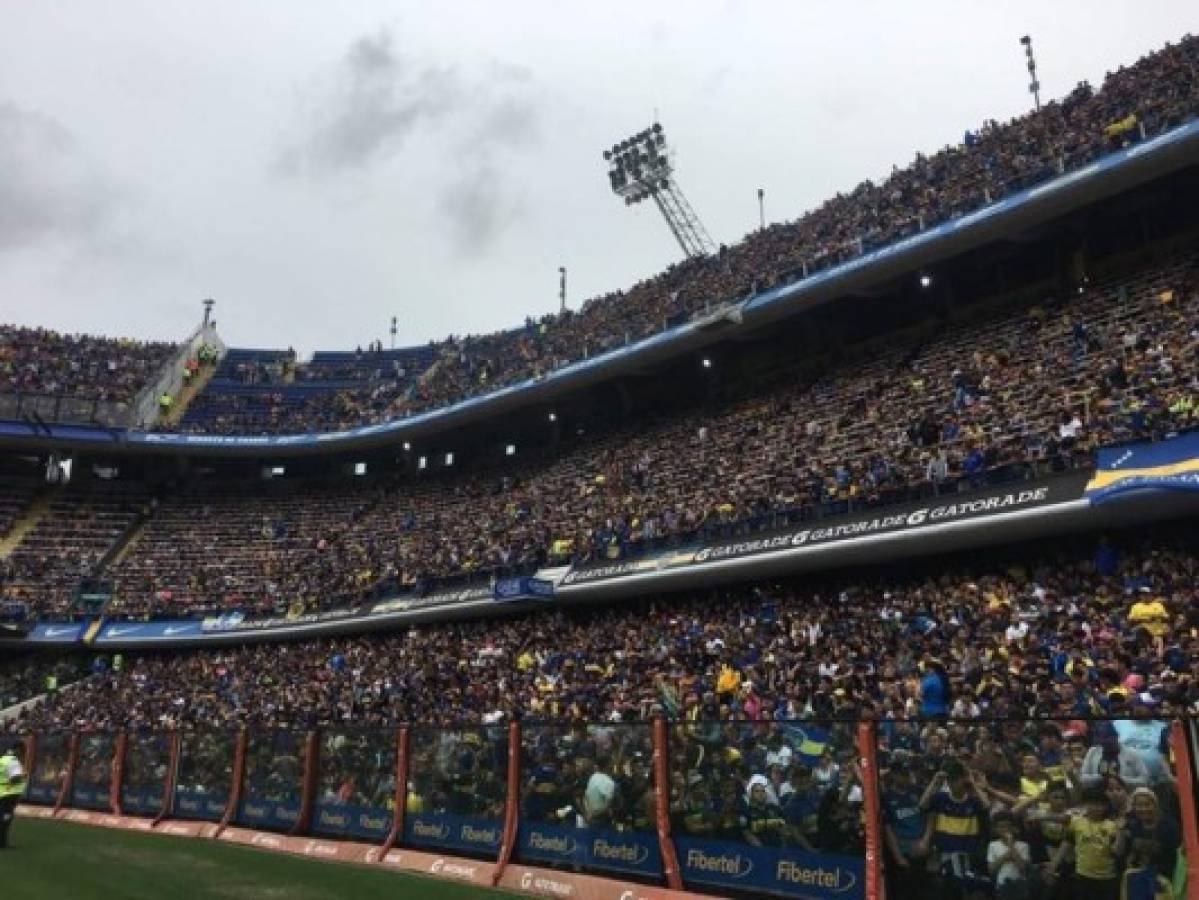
(63, 860)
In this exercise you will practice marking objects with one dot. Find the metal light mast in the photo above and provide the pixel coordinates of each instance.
(640, 168)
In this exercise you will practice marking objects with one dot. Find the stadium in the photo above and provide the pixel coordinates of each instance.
(853, 559)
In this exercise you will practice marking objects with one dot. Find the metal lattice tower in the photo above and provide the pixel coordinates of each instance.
(640, 168)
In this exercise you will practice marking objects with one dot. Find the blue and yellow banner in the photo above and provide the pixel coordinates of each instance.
(1165, 465)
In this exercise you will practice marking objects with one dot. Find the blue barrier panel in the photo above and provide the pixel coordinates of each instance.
(92, 785)
(205, 775)
(588, 800)
(443, 830)
(457, 779)
(355, 793)
(273, 780)
(351, 820)
(636, 853)
(786, 871)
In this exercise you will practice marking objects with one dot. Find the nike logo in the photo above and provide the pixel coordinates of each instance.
(56, 632)
(114, 631)
(182, 628)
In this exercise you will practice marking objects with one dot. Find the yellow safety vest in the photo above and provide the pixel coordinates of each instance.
(9, 788)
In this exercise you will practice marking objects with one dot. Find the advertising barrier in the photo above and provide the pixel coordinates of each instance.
(92, 785)
(147, 767)
(945, 509)
(272, 787)
(769, 808)
(355, 794)
(588, 798)
(773, 870)
(49, 768)
(456, 789)
(760, 808)
(205, 777)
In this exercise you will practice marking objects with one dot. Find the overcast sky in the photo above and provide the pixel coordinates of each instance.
(318, 168)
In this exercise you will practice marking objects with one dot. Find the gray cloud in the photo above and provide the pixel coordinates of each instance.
(369, 106)
(364, 113)
(48, 187)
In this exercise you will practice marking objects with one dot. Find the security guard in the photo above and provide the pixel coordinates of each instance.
(12, 786)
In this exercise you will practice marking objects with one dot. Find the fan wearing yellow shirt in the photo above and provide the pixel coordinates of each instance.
(1093, 837)
(1150, 613)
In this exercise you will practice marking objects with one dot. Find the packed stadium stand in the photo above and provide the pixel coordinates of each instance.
(973, 705)
(1023, 393)
(1157, 92)
(43, 362)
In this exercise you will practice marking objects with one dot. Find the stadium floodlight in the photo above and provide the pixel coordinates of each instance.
(553, 417)
(706, 363)
(640, 168)
(1034, 86)
(926, 280)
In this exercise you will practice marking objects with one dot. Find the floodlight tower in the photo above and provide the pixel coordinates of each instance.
(640, 168)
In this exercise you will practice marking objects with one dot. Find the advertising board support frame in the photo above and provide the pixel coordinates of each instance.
(239, 770)
(30, 754)
(868, 764)
(307, 783)
(68, 780)
(1184, 761)
(117, 777)
(670, 859)
(169, 783)
(511, 804)
(401, 795)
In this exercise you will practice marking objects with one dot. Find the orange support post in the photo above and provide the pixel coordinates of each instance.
(875, 888)
(670, 859)
(168, 785)
(30, 757)
(68, 778)
(239, 771)
(117, 776)
(511, 804)
(308, 783)
(1186, 800)
(401, 798)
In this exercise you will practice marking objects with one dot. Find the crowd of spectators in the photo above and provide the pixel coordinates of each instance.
(1155, 93)
(66, 545)
(1027, 392)
(264, 392)
(43, 362)
(1071, 634)
(1021, 703)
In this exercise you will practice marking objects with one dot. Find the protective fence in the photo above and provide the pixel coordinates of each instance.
(769, 807)
(587, 799)
(145, 773)
(204, 780)
(274, 780)
(1029, 807)
(91, 786)
(356, 784)
(48, 768)
(457, 788)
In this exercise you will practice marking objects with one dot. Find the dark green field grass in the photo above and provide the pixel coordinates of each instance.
(79, 862)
